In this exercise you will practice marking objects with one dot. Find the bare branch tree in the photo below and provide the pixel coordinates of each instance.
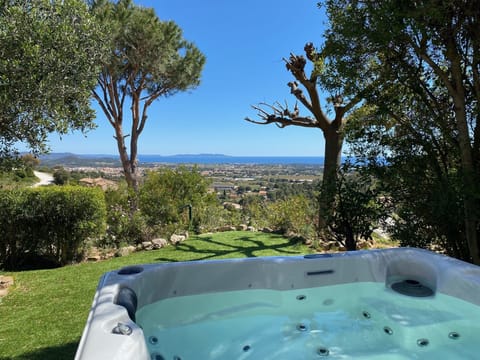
(305, 90)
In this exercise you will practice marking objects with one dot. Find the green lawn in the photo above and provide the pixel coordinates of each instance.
(44, 314)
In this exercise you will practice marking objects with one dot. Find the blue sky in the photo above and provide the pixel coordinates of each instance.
(244, 43)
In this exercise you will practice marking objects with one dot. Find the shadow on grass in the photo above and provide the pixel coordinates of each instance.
(205, 248)
(65, 351)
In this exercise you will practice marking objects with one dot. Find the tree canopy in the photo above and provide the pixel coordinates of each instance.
(423, 113)
(48, 65)
(148, 59)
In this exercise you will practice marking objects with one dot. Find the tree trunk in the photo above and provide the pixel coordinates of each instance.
(333, 152)
(470, 202)
(130, 171)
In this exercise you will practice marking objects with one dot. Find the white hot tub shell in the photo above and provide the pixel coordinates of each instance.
(111, 331)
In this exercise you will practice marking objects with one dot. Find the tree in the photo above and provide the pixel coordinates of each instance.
(48, 66)
(358, 209)
(148, 59)
(430, 50)
(168, 198)
(61, 176)
(331, 128)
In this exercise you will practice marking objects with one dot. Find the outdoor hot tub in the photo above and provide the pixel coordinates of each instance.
(400, 303)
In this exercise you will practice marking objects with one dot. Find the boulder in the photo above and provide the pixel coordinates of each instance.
(94, 258)
(94, 254)
(175, 238)
(159, 243)
(242, 227)
(147, 245)
(184, 233)
(329, 245)
(226, 228)
(251, 228)
(126, 250)
(5, 282)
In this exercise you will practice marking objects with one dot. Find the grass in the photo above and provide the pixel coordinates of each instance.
(45, 312)
(11, 180)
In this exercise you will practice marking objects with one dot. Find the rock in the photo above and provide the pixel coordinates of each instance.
(5, 283)
(94, 258)
(147, 245)
(93, 254)
(298, 239)
(159, 243)
(290, 234)
(267, 230)
(126, 250)
(226, 228)
(242, 227)
(308, 242)
(331, 245)
(175, 239)
(251, 228)
(363, 244)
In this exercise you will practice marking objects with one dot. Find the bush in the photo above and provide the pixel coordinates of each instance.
(61, 176)
(126, 225)
(295, 214)
(167, 196)
(50, 222)
(358, 207)
(254, 211)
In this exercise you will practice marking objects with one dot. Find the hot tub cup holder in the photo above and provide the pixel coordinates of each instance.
(130, 270)
(412, 287)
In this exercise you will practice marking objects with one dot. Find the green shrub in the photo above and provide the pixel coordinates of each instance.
(254, 211)
(293, 215)
(126, 225)
(52, 221)
(61, 176)
(211, 218)
(166, 196)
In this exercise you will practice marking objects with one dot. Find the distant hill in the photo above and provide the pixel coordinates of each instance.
(106, 160)
(76, 160)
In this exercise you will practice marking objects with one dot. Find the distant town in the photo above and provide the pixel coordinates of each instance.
(231, 181)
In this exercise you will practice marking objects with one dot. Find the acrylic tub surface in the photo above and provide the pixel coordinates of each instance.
(387, 304)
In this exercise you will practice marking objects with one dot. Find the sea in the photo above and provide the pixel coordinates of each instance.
(84, 159)
(226, 159)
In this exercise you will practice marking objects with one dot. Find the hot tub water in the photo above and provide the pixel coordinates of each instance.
(365, 320)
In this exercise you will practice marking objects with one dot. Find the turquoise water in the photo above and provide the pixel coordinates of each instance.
(351, 321)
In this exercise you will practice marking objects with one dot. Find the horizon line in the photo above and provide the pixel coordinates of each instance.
(177, 155)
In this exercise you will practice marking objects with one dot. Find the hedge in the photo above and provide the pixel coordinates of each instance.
(51, 222)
